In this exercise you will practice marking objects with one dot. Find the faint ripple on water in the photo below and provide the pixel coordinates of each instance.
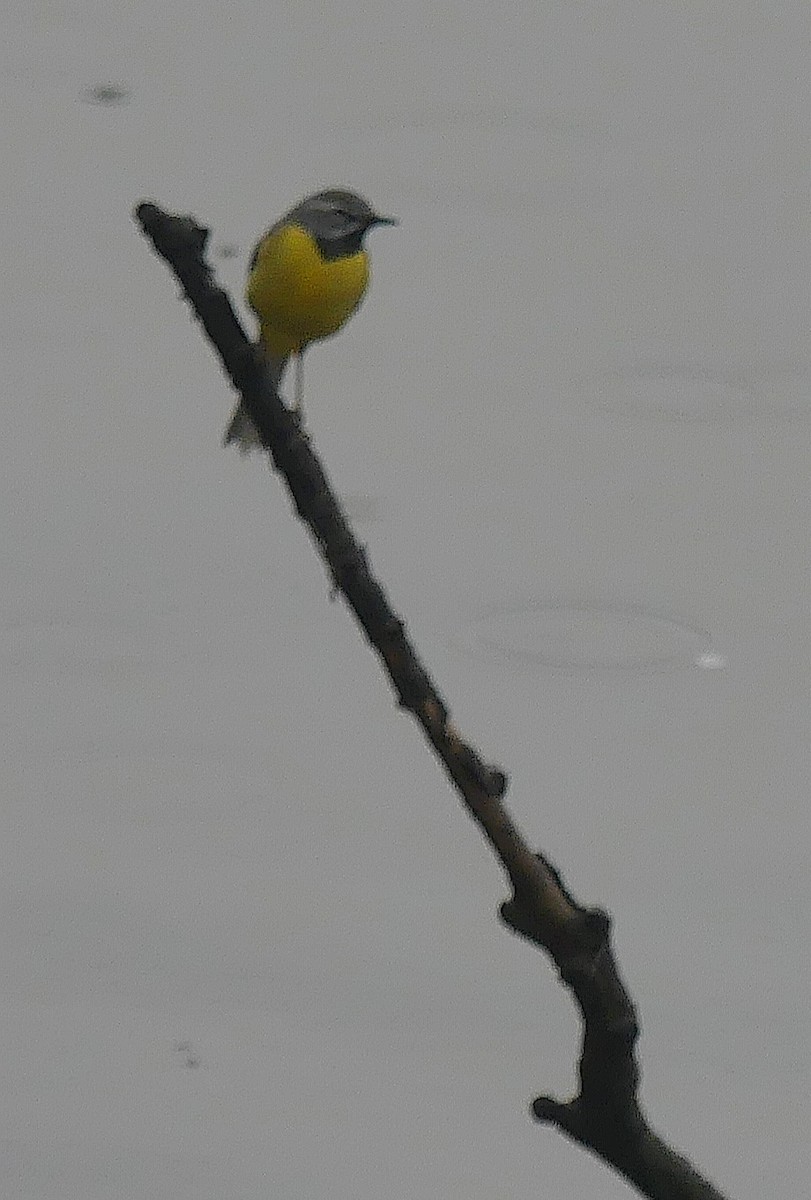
(583, 635)
(697, 393)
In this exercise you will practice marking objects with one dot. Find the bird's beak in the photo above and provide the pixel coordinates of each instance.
(378, 220)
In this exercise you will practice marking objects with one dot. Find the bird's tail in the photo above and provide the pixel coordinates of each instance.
(241, 428)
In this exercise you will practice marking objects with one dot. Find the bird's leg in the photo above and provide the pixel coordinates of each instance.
(298, 398)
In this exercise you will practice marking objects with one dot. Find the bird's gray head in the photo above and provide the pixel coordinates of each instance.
(337, 220)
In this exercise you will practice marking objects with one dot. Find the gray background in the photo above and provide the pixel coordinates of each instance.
(248, 935)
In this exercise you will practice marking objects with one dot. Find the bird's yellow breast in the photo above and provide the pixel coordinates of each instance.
(298, 295)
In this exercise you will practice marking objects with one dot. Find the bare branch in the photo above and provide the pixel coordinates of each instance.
(605, 1116)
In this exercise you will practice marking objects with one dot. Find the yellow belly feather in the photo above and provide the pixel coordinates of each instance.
(298, 295)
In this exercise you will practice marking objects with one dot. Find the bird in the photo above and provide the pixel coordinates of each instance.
(307, 276)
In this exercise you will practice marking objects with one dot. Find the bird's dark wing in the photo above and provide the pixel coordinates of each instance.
(278, 224)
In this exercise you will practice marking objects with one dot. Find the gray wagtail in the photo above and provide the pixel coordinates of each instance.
(307, 276)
